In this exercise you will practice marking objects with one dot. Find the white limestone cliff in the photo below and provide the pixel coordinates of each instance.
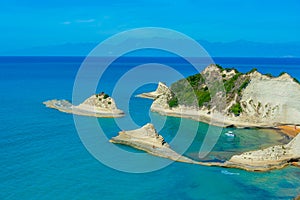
(160, 90)
(265, 102)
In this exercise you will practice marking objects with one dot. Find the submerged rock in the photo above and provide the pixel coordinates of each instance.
(98, 105)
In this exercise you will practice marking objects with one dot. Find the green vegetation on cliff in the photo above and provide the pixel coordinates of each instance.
(205, 89)
(194, 91)
(173, 102)
(236, 109)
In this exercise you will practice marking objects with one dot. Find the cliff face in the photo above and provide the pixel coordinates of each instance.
(249, 99)
(273, 100)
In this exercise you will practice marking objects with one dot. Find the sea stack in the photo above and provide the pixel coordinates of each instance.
(98, 105)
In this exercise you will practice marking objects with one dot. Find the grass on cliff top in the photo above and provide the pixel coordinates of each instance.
(193, 91)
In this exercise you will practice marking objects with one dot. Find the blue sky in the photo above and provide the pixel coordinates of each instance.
(31, 23)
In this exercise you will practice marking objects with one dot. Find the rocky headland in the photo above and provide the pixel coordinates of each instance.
(147, 139)
(160, 90)
(98, 105)
(249, 99)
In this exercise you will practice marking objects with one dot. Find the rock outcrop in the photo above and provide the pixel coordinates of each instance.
(161, 89)
(98, 105)
(268, 100)
(249, 100)
(270, 158)
(147, 139)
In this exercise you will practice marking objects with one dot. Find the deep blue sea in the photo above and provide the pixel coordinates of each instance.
(42, 156)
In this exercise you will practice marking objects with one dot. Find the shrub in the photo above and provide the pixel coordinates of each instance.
(195, 80)
(229, 84)
(282, 73)
(109, 102)
(243, 85)
(220, 67)
(296, 80)
(252, 70)
(173, 102)
(236, 109)
(230, 69)
(269, 75)
(105, 96)
(203, 97)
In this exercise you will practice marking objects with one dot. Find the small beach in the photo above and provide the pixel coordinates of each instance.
(290, 130)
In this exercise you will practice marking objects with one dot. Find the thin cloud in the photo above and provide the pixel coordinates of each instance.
(66, 23)
(85, 20)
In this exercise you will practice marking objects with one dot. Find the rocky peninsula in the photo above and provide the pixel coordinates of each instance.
(98, 105)
(251, 99)
(274, 157)
(147, 139)
(161, 89)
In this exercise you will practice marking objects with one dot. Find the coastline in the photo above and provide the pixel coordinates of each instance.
(216, 119)
(147, 139)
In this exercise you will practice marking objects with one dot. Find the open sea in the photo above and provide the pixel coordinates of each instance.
(42, 156)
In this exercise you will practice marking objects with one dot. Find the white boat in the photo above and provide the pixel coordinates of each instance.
(230, 134)
(229, 173)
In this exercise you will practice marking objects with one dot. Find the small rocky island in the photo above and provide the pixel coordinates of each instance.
(98, 105)
(147, 139)
(251, 99)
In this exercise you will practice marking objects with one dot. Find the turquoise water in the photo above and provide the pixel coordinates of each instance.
(42, 156)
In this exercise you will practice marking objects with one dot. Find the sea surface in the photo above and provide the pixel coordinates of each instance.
(42, 156)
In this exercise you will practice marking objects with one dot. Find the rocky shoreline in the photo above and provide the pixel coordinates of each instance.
(263, 101)
(98, 105)
(147, 139)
